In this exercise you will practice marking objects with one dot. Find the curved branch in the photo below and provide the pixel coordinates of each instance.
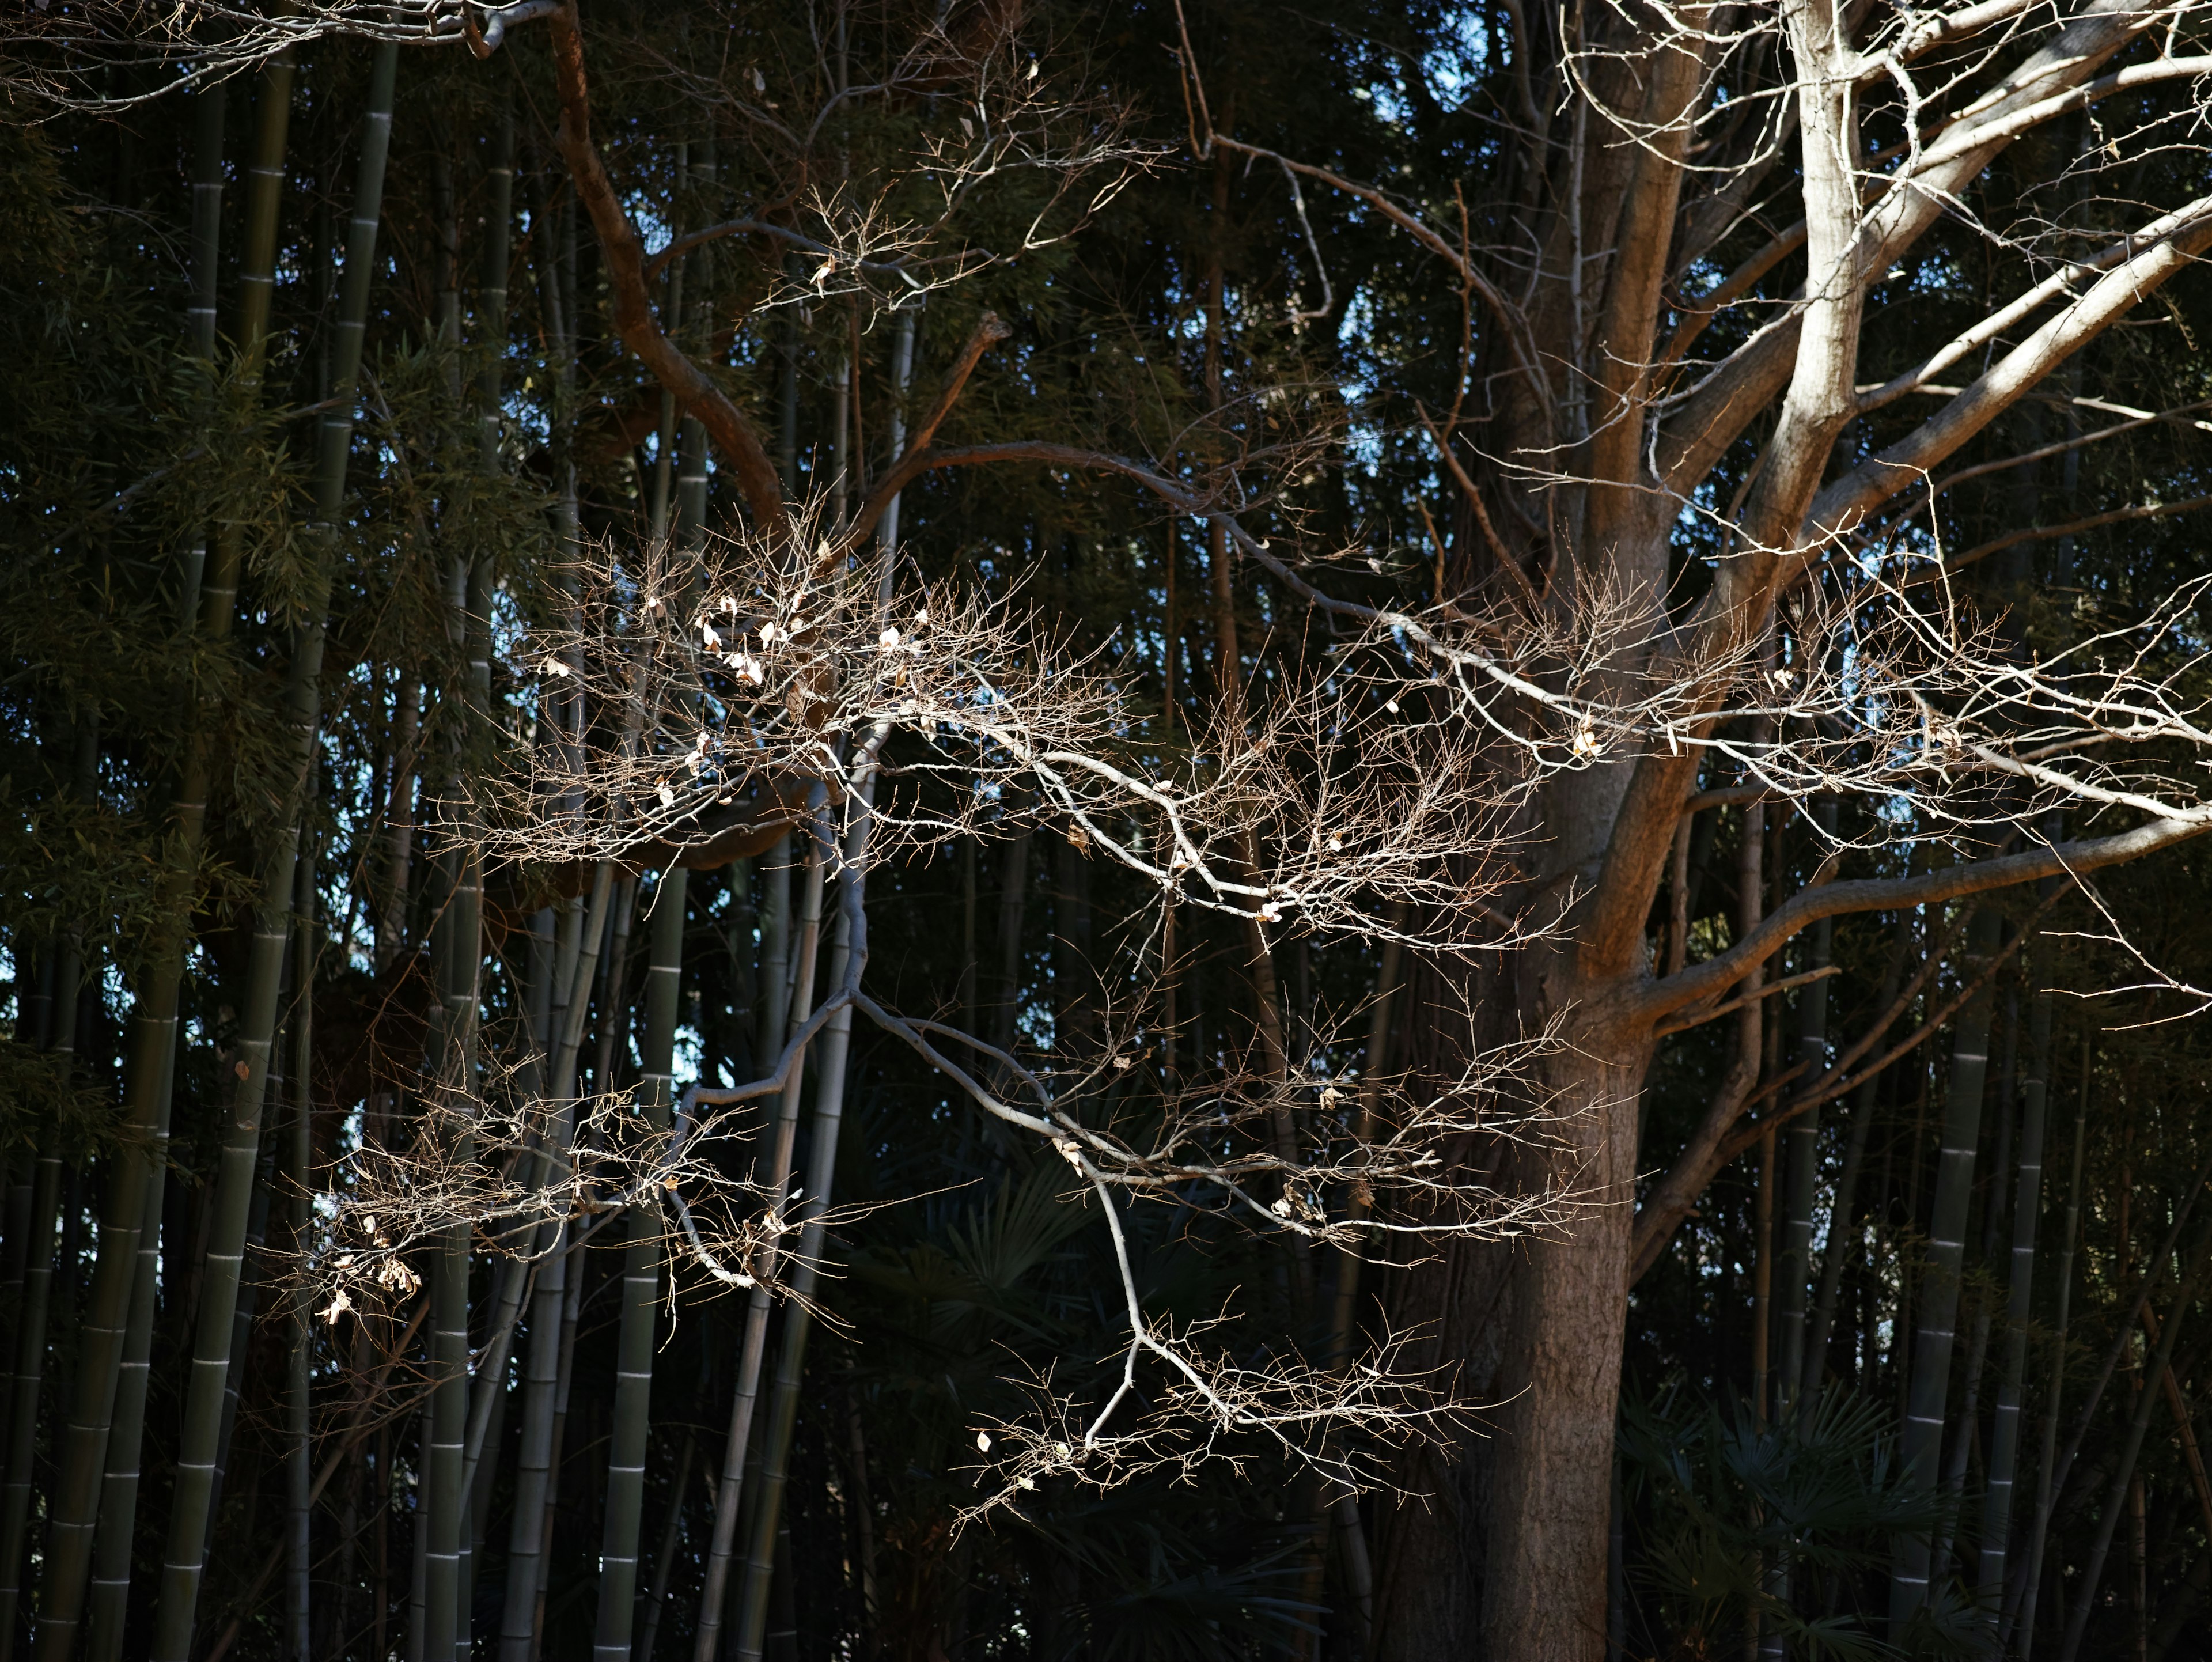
(1662, 998)
(684, 244)
(989, 331)
(727, 426)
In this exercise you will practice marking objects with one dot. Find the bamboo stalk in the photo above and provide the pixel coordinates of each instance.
(299, 1407)
(2123, 1467)
(29, 1377)
(631, 1423)
(1860, 1117)
(2022, 1608)
(209, 107)
(2027, 1206)
(209, 1392)
(848, 961)
(102, 1332)
(571, 1307)
(1802, 1173)
(114, 1538)
(542, 1365)
(1937, 1295)
(713, 1592)
(656, 1600)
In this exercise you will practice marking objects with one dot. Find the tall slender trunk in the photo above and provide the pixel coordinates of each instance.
(2123, 1466)
(773, 1008)
(115, 1541)
(298, 1405)
(2027, 1206)
(1013, 904)
(203, 1421)
(633, 1404)
(209, 109)
(656, 1599)
(116, 1536)
(571, 1307)
(847, 963)
(1839, 1252)
(714, 1590)
(2022, 1612)
(1803, 1175)
(29, 1381)
(542, 1365)
(102, 1330)
(1922, 1444)
(848, 957)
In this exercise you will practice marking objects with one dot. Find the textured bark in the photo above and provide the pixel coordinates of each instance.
(1507, 1555)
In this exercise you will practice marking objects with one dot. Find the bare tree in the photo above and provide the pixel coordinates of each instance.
(1670, 288)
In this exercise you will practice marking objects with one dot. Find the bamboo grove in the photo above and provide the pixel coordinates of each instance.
(711, 954)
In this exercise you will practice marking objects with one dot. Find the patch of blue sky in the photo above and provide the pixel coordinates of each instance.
(1460, 57)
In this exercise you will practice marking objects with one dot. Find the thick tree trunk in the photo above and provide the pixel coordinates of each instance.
(1508, 1559)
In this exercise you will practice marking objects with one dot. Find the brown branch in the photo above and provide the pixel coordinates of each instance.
(1674, 1197)
(1688, 1178)
(918, 459)
(1662, 998)
(1734, 1004)
(1698, 313)
(694, 390)
(1497, 549)
(2172, 247)
(2043, 534)
(683, 244)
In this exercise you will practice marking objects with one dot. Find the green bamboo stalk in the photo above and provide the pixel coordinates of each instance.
(571, 1307)
(2147, 1397)
(439, 1511)
(491, 292)
(2022, 1612)
(103, 1328)
(632, 1412)
(541, 1365)
(1922, 1443)
(29, 1378)
(632, 1415)
(773, 1007)
(208, 111)
(484, 1404)
(2028, 1205)
(714, 1590)
(22, 1168)
(116, 1536)
(848, 962)
(208, 1393)
(299, 1407)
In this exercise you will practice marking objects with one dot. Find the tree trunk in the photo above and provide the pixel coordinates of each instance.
(632, 1402)
(1508, 1557)
(2027, 1208)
